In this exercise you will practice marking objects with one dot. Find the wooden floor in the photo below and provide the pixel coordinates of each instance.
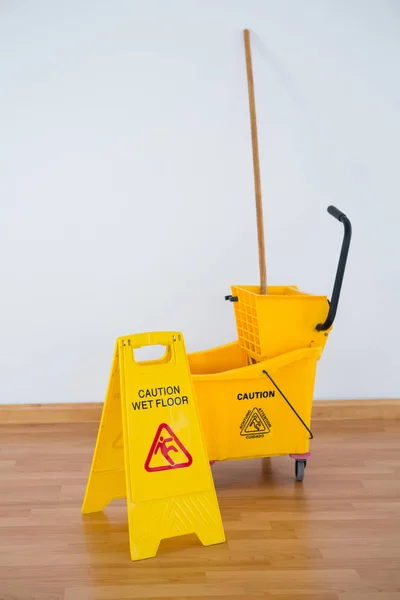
(336, 536)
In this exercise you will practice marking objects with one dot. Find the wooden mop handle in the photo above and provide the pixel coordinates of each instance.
(256, 165)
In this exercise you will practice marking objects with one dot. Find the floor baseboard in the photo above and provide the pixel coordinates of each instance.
(30, 414)
(323, 410)
(337, 410)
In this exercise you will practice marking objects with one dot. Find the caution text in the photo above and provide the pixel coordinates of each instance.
(161, 397)
(252, 395)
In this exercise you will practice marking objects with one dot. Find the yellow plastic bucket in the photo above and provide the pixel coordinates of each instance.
(243, 414)
(285, 319)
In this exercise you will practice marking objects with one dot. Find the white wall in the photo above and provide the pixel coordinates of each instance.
(126, 189)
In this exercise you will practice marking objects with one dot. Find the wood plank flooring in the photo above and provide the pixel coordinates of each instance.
(336, 536)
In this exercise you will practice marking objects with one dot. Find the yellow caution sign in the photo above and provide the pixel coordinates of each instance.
(150, 449)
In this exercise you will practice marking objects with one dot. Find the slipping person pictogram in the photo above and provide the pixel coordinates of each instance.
(166, 442)
(255, 424)
(165, 450)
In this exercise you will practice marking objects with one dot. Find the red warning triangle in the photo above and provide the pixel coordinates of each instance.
(167, 452)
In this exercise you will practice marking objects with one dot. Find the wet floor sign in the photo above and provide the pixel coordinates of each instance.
(150, 449)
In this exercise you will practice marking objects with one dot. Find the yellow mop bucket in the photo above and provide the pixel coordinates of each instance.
(255, 395)
(248, 411)
(286, 318)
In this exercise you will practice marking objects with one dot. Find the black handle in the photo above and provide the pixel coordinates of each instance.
(335, 212)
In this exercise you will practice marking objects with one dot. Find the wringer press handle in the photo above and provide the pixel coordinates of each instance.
(335, 212)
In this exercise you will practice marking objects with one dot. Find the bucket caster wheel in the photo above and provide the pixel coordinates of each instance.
(300, 465)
